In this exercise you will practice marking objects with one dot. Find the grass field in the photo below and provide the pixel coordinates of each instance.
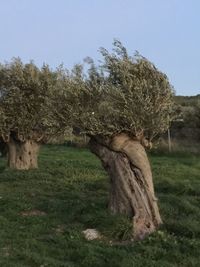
(69, 194)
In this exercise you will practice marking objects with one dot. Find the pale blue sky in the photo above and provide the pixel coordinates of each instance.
(167, 32)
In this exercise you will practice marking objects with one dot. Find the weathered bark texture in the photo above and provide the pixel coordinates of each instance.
(132, 191)
(23, 155)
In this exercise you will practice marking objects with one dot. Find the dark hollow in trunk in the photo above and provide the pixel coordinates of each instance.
(22, 155)
(3, 149)
(131, 190)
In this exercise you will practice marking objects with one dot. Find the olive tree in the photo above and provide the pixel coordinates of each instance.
(25, 93)
(122, 105)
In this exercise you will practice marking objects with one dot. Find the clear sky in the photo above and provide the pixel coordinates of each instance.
(167, 32)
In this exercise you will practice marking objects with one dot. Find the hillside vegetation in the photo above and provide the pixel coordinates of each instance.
(185, 128)
(187, 100)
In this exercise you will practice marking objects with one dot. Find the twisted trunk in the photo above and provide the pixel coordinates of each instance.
(131, 191)
(23, 155)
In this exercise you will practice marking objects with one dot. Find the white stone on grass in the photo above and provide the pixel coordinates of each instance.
(91, 234)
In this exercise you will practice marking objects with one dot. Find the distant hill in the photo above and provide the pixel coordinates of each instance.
(187, 100)
(189, 127)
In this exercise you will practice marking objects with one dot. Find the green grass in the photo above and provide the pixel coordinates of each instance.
(72, 189)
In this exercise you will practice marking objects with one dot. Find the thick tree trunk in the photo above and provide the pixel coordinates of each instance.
(131, 191)
(23, 155)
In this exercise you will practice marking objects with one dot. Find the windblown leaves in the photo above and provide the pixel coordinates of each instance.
(123, 94)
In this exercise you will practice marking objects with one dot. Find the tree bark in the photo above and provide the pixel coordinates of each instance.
(131, 191)
(23, 155)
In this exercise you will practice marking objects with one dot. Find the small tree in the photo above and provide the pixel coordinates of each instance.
(25, 93)
(122, 105)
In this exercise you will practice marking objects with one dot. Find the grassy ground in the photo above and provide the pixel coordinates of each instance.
(71, 190)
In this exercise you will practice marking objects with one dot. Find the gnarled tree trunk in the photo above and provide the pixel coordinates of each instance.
(23, 155)
(131, 191)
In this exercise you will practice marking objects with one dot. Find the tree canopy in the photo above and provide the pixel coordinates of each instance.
(122, 94)
(25, 91)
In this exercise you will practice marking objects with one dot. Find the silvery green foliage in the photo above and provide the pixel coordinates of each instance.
(123, 94)
(25, 94)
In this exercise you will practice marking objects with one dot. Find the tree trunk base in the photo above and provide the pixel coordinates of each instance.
(131, 191)
(22, 155)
